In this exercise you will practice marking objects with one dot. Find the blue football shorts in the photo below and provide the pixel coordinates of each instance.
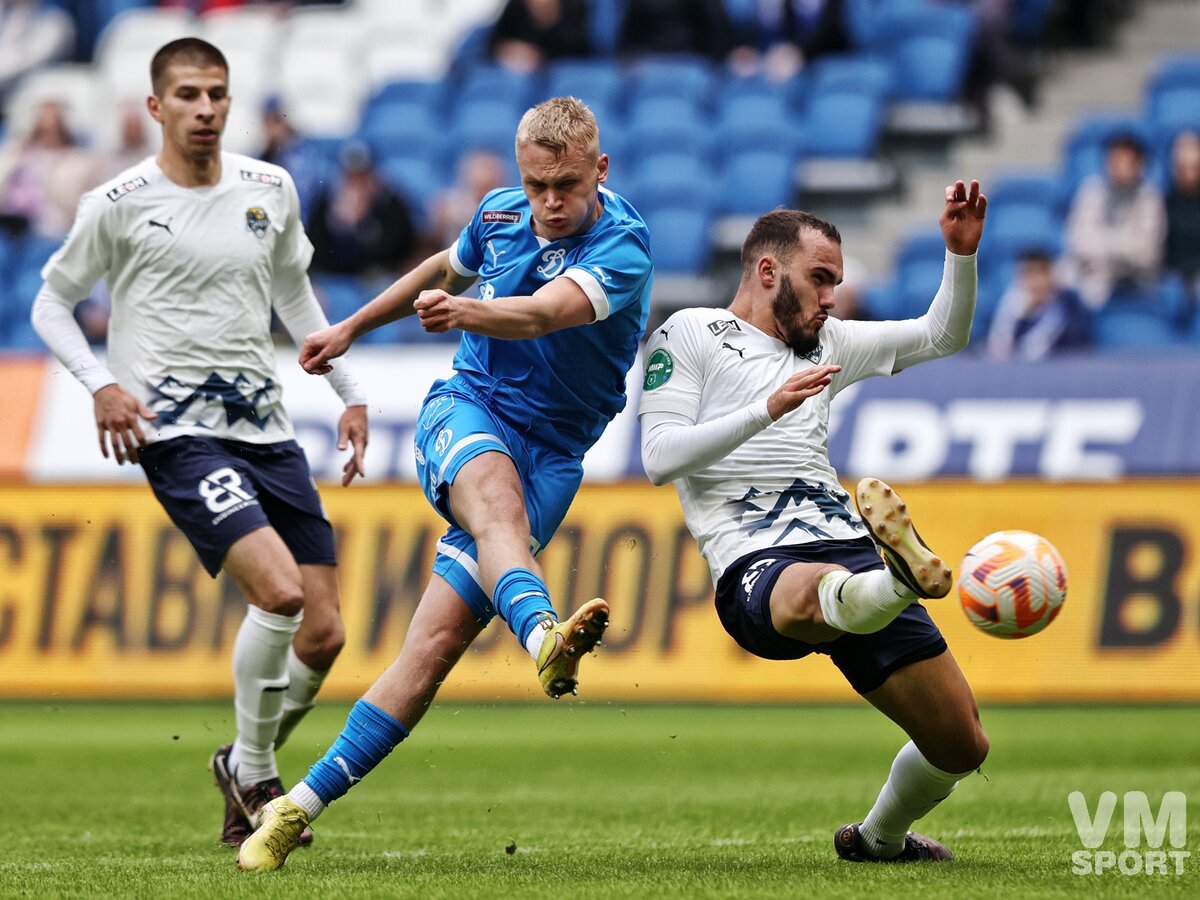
(743, 605)
(454, 427)
(216, 491)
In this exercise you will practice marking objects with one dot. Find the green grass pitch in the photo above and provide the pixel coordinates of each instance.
(580, 799)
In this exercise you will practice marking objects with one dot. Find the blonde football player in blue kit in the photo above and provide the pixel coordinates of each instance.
(564, 274)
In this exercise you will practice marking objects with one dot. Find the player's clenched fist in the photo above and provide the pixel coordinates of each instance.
(322, 346)
(799, 388)
(436, 310)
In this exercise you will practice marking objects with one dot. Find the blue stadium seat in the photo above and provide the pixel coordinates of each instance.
(1125, 327)
(843, 123)
(919, 264)
(1019, 224)
(753, 122)
(340, 295)
(688, 78)
(679, 239)
(661, 124)
(496, 83)
(1026, 186)
(394, 126)
(755, 181)
(415, 178)
(485, 124)
(861, 72)
(597, 82)
(931, 48)
(429, 94)
(663, 180)
(1174, 108)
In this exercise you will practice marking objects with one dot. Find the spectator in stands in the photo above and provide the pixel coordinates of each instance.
(1182, 252)
(782, 36)
(1037, 316)
(284, 147)
(31, 35)
(479, 173)
(1115, 227)
(531, 32)
(42, 176)
(360, 226)
(699, 27)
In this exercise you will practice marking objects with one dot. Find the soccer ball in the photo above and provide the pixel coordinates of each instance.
(1012, 584)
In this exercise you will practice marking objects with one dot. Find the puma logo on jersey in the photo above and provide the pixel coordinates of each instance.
(165, 226)
(666, 333)
(600, 272)
(496, 254)
(738, 350)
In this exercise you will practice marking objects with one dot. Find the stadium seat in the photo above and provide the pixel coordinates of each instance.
(755, 181)
(74, 86)
(485, 124)
(1020, 224)
(861, 72)
(234, 29)
(688, 78)
(321, 91)
(129, 41)
(665, 124)
(919, 265)
(416, 178)
(842, 123)
(340, 295)
(1130, 328)
(668, 179)
(320, 27)
(756, 122)
(679, 239)
(931, 48)
(1026, 186)
(396, 126)
(597, 82)
(496, 84)
(1174, 108)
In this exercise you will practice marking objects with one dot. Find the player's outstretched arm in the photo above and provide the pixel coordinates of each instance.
(560, 304)
(395, 302)
(962, 218)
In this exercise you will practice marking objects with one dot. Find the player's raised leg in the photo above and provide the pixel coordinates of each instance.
(441, 630)
(262, 566)
(487, 499)
(934, 705)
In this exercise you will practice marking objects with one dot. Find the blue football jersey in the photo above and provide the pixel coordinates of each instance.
(572, 381)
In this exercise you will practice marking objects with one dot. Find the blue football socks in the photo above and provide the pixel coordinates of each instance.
(521, 598)
(369, 736)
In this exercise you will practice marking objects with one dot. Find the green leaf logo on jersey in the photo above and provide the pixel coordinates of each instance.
(658, 370)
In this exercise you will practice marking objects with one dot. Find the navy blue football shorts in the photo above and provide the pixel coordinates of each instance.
(455, 426)
(743, 605)
(216, 491)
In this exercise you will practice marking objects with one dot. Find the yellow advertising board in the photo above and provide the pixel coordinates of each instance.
(101, 597)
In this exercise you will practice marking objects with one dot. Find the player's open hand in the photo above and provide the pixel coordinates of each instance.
(322, 346)
(352, 432)
(799, 388)
(437, 310)
(962, 219)
(117, 414)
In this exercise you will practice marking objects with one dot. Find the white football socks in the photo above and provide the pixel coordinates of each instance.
(306, 798)
(533, 643)
(260, 679)
(303, 684)
(914, 787)
(862, 603)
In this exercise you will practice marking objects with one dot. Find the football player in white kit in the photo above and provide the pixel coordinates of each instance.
(735, 411)
(197, 247)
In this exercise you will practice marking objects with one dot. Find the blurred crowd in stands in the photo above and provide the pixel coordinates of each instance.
(1118, 237)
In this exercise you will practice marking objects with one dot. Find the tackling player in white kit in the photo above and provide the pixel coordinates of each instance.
(735, 411)
(197, 247)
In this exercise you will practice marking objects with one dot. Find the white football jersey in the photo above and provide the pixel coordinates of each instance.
(191, 273)
(779, 486)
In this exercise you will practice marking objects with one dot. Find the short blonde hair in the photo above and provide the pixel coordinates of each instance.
(558, 124)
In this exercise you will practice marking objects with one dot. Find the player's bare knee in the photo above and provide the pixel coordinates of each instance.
(282, 598)
(964, 752)
(324, 645)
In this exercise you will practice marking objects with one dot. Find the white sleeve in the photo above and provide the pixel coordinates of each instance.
(53, 319)
(946, 327)
(301, 315)
(674, 446)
